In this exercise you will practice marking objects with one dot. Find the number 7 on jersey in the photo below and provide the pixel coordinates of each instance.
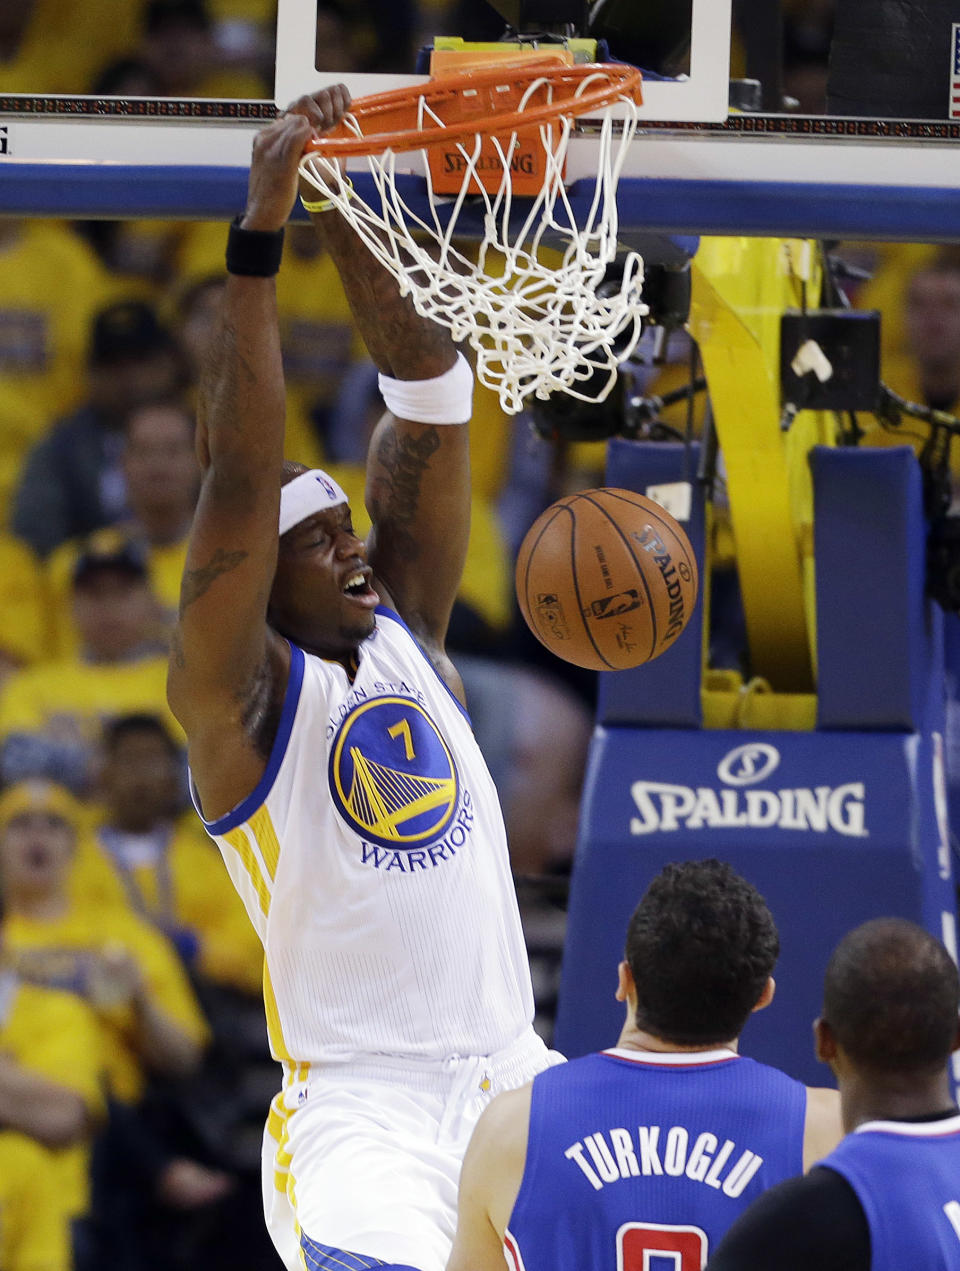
(402, 729)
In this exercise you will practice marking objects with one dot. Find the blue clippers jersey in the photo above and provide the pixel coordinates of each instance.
(907, 1178)
(633, 1154)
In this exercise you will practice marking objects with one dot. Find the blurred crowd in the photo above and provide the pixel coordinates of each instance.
(225, 48)
(133, 1064)
(134, 1073)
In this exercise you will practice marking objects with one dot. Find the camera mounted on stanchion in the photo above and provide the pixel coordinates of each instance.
(830, 360)
(625, 411)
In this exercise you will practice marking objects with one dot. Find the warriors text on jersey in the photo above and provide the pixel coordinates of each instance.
(372, 860)
(634, 1154)
(906, 1175)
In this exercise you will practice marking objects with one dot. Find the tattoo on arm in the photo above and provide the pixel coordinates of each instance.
(229, 378)
(196, 582)
(396, 493)
(394, 333)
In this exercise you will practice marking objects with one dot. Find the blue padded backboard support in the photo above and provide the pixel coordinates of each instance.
(877, 633)
(665, 692)
(833, 828)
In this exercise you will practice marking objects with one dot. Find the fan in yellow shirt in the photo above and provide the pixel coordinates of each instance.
(51, 715)
(170, 872)
(50, 287)
(927, 367)
(888, 268)
(161, 475)
(51, 1065)
(57, 46)
(51, 1068)
(317, 333)
(127, 971)
(25, 631)
(34, 1222)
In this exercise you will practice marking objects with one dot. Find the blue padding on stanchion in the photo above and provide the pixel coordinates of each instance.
(951, 662)
(875, 629)
(665, 692)
(833, 828)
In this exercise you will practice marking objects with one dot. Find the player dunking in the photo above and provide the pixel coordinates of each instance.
(644, 1155)
(334, 763)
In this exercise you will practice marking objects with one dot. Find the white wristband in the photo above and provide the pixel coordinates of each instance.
(447, 399)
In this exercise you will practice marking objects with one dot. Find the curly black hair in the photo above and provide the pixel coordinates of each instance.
(891, 995)
(701, 945)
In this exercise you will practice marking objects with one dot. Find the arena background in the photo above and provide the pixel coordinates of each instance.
(803, 727)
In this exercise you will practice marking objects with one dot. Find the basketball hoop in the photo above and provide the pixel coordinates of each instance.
(532, 301)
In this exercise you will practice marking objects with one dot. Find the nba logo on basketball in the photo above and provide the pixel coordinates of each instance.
(954, 111)
(612, 606)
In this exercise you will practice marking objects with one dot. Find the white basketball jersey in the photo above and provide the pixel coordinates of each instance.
(372, 860)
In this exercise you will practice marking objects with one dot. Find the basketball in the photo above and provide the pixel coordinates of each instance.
(606, 579)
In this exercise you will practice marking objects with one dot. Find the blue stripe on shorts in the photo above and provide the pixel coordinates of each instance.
(320, 1257)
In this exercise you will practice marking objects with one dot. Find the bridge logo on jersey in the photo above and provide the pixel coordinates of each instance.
(392, 776)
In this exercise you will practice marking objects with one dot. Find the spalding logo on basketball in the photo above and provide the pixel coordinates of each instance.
(606, 579)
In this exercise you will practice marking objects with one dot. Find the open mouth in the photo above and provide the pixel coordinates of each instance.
(36, 857)
(357, 587)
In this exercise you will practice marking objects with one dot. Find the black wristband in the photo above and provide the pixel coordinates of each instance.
(254, 253)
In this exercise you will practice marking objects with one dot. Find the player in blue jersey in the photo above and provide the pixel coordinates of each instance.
(888, 1198)
(656, 1146)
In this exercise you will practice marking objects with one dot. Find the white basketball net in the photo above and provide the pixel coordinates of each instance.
(537, 328)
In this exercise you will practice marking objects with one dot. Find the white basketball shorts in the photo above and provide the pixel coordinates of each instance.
(361, 1161)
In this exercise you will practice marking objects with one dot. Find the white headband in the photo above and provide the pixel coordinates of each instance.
(310, 492)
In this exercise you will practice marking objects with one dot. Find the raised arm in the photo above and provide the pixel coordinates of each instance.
(225, 665)
(418, 474)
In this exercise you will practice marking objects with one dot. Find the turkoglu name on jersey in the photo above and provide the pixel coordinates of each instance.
(608, 1156)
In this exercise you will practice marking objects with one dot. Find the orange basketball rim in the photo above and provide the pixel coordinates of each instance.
(506, 110)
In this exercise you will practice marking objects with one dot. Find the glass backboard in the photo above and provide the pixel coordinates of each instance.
(701, 95)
